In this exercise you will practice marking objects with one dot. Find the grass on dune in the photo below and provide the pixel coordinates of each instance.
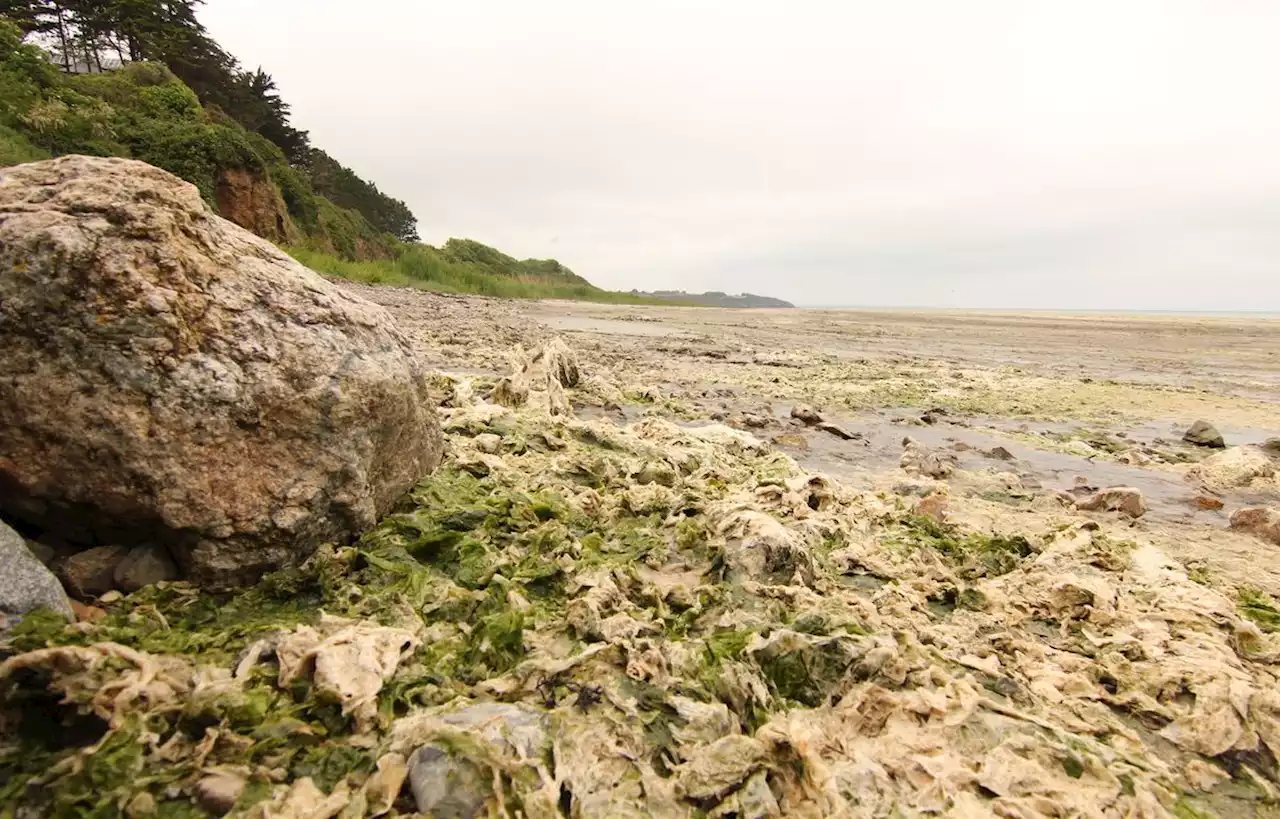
(424, 267)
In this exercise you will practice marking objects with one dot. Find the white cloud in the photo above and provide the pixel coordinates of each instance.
(987, 153)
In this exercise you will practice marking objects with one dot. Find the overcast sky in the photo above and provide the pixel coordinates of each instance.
(986, 153)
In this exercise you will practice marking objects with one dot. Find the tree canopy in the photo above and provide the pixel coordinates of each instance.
(90, 36)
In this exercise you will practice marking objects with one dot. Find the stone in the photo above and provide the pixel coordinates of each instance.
(933, 416)
(172, 378)
(932, 506)
(25, 583)
(446, 786)
(1123, 499)
(806, 414)
(144, 566)
(1233, 468)
(918, 460)
(1202, 433)
(91, 573)
(1207, 502)
(839, 431)
(999, 453)
(1258, 520)
(488, 443)
(218, 792)
(1272, 447)
(86, 613)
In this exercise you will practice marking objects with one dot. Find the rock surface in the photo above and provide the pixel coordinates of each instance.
(25, 583)
(1258, 520)
(1202, 433)
(169, 377)
(453, 787)
(919, 460)
(143, 566)
(91, 573)
(1233, 468)
(1123, 499)
(806, 414)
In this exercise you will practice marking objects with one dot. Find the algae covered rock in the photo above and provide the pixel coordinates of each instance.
(25, 583)
(172, 378)
(1202, 433)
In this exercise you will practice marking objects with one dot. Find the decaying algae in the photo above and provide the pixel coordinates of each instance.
(654, 620)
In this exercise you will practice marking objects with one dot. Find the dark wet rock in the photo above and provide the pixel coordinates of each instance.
(839, 431)
(1258, 520)
(1272, 447)
(912, 489)
(1207, 502)
(999, 453)
(143, 566)
(448, 785)
(806, 414)
(1123, 499)
(933, 416)
(92, 573)
(1202, 433)
(25, 583)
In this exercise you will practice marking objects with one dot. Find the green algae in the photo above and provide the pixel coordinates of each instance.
(1258, 606)
(975, 555)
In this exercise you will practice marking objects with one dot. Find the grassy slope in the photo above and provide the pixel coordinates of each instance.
(432, 269)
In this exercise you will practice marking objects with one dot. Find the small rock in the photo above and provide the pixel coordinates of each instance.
(806, 414)
(1207, 502)
(553, 441)
(755, 421)
(999, 453)
(1272, 447)
(1258, 520)
(793, 440)
(839, 431)
(960, 446)
(25, 583)
(218, 792)
(1123, 499)
(86, 613)
(92, 572)
(1202, 433)
(488, 443)
(933, 416)
(932, 506)
(920, 460)
(1232, 468)
(449, 787)
(143, 566)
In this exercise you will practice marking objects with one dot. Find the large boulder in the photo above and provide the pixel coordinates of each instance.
(1234, 468)
(25, 583)
(167, 377)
